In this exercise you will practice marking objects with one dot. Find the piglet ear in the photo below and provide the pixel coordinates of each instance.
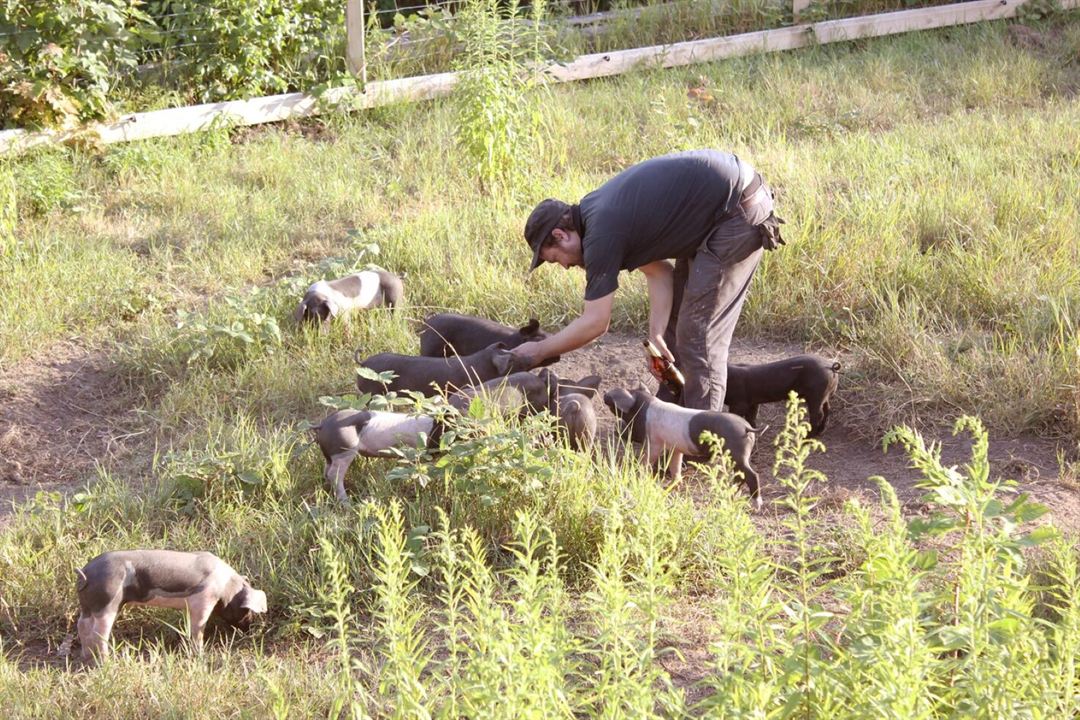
(609, 400)
(587, 386)
(643, 388)
(551, 380)
(253, 600)
(503, 360)
(530, 328)
(301, 309)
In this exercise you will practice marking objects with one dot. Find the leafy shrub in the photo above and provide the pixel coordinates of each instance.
(236, 48)
(433, 42)
(243, 332)
(59, 60)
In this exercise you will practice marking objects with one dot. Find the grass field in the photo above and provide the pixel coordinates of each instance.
(931, 186)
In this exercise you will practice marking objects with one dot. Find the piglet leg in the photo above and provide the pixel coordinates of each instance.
(94, 632)
(675, 465)
(335, 474)
(199, 608)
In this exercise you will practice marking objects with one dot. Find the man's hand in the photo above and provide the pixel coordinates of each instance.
(592, 323)
(658, 341)
(528, 355)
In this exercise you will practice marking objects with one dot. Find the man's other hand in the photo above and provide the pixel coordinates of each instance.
(658, 342)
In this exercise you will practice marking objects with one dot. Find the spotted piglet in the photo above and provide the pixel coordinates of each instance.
(571, 402)
(666, 427)
(344, 434)
(327, 299)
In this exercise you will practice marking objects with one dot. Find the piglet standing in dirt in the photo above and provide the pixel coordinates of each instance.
(665, 427)
(434, 375)
(447, 334)
(325, 300)
(344, 434)
(199, 583)
(813, 378)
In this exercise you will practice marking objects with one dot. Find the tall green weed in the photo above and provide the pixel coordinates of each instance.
(498, 118)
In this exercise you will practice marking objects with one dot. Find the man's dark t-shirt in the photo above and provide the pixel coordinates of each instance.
(659, 209)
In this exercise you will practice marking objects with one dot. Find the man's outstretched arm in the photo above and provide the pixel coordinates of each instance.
(591, 324)
(659, 279)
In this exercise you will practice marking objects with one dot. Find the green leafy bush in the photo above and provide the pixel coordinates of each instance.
(236, 48)
(242, 333)
(58, 60)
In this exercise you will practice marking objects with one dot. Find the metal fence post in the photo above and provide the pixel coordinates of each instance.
(354, 40)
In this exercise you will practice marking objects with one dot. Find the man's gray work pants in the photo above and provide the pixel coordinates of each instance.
(709, 291)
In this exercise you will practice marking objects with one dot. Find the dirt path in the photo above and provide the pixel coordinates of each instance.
(60, 417)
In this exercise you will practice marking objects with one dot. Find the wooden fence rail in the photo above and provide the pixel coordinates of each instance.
(275, 108)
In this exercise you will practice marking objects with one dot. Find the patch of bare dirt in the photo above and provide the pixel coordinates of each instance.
(1028, 38)
(60, 417)
(312, 129)
(852, 455)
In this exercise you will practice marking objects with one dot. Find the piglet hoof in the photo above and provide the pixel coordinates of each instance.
(758, 504)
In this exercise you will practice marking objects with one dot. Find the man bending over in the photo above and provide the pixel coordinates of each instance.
(707, 210)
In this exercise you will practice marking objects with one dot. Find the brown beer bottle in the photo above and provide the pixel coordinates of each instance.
(669, 374)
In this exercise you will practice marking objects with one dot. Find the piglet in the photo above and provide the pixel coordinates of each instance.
(325, 300)
(522, 391)
(662, 426)
(446, 334)
(435, 375)
(199, 583)
(528, 393)
(813, 378)
(572, 403)
(344, 434)
(577, 418)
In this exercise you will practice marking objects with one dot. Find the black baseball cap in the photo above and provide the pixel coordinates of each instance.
(541, 222)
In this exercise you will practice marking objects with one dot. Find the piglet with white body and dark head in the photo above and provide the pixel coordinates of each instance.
(446, 334)
(325, 300)
(199, 583)
(665, 427)
(435, 375)
(344, 434)
(813, 378)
